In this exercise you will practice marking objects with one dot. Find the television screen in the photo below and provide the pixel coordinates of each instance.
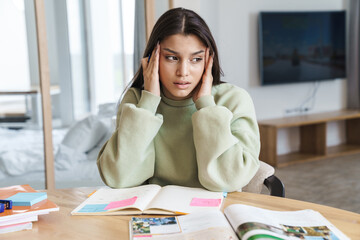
(301, 46)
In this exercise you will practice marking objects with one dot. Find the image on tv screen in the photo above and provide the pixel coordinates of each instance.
(302, 46)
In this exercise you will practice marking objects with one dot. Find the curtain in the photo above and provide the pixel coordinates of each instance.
(353, 71)
(140, 33)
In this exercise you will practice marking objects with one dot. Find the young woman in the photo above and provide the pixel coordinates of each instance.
(178, 123)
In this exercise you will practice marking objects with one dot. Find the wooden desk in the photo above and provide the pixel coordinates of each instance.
(61, 225)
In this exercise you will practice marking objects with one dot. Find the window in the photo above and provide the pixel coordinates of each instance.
(101, 36)
(79, 57)
(14, 59)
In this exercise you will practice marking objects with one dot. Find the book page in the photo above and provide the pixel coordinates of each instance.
(185, 200)
(200, 226)
(248, 221)
(109, 201)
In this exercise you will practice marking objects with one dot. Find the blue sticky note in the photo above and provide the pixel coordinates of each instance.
(27, 198)
(90, 208)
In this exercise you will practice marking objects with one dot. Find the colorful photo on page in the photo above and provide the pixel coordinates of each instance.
(256, 230)
(310, 233)
(154, 226)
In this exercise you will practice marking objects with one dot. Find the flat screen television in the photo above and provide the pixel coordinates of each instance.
(302, 46)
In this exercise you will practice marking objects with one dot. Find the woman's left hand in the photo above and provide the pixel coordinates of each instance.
(205, 84)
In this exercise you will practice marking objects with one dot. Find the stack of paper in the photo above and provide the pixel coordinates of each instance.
(27, 205)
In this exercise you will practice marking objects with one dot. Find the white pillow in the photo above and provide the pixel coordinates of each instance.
(110, 124)
(66, 157)
(93, 154)
(107, 110)
(85, 134)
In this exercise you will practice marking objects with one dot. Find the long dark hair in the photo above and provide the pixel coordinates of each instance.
(183, 21)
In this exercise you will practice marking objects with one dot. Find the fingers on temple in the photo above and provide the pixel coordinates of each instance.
(144, 63)
(209, 60)
(156, 54)
(152, 58)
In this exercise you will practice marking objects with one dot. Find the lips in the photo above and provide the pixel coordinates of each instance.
(182, 85)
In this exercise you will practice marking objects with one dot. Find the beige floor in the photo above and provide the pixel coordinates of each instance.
(332, 182)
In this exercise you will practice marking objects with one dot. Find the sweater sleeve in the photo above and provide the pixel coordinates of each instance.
(127, 159)
(227, 140)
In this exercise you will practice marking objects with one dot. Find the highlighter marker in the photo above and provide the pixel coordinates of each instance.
(7, 203)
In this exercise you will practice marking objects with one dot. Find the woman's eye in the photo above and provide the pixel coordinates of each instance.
(199, 59)
(171, 58)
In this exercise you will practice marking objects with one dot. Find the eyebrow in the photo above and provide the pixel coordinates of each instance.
(174, 52)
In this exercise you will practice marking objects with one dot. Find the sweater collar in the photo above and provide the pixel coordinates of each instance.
(176, 103)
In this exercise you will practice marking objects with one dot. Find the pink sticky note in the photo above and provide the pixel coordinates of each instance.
(205, 202)
(122, 203)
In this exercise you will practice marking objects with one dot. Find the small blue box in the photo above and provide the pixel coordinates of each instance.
(27, 198)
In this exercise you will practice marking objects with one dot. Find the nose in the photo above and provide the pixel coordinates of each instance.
(183, 69)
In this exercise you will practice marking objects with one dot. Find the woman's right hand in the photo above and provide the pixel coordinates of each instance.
(151, 71)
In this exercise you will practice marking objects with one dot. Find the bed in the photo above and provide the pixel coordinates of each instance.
(75, 152)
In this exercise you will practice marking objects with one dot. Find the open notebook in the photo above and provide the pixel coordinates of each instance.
(149, 199)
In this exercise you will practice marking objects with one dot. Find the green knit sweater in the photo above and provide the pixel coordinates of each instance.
(213, 143)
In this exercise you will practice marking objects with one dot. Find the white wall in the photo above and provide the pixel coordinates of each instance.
(234, 26)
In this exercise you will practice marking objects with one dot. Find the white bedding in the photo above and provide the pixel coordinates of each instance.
(75, 152)
(22, 161)
(21, 151)
(84, 174)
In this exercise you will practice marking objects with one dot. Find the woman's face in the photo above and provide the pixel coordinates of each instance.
(181, 65)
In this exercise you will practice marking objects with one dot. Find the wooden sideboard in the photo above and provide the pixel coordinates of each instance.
(313, 131)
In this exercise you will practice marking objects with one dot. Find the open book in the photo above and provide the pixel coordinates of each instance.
(238, 222)
(149, 199)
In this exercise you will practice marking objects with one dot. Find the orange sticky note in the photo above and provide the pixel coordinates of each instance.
(205, 202)
(91, 193)
(180, 213)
